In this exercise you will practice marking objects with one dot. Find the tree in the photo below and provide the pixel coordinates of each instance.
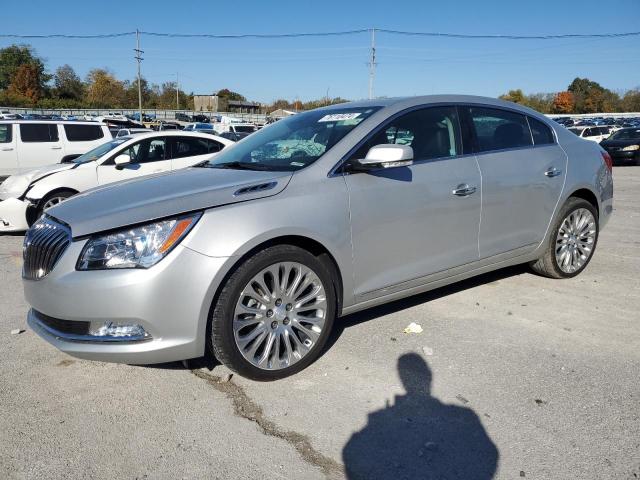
(515, 96)
(67, 84)
(563, 102)
(167, 97)
(230, 95)
(26, 82)
(104, 90)
(12, 57)
(591, 97)
(631, 101)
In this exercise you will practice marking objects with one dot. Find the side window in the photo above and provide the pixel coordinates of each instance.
(189, 147)
(541, 133)
(38, 132)
(152, 150)
(83, 133)
(590, 132)
(5, 133)
(432, 132)
(499, 129)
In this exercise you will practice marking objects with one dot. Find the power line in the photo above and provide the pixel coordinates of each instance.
(327, 34)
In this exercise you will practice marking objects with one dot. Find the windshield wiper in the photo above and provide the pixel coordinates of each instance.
(240, 166)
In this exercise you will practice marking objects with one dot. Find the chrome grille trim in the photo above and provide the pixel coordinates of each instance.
(44, 244)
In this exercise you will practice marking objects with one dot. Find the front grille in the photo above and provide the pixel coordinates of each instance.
(44, 244)
(63, 326)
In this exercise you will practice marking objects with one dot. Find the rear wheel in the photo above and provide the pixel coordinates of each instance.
(274, 314)
(573, 240)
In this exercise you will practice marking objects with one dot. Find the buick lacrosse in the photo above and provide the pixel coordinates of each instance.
(254, 254)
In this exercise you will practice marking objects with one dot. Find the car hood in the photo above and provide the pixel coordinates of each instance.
(141, 200)
(16, 185)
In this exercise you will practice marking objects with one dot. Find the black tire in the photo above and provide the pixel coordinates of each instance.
(62, 194)
(547, 265)
(221, 340)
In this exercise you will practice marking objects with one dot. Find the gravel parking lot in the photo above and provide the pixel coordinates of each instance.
(513, 376)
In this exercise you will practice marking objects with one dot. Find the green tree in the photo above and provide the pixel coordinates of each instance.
(67, 84)
(591, 97)
(230, 95)
(12, 57)
(515, 96)
(631, 101)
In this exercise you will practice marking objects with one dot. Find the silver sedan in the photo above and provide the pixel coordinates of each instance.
(253, 255)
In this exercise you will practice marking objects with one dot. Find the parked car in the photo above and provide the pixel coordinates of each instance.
(183, 117)
(255, 253)
(201, 118)
(27, 144)
(235, 136)
(624, 146)
(199, 126)
(234, 127)
(127, 132)
(595, 134)
(24, 198)
(7, 115)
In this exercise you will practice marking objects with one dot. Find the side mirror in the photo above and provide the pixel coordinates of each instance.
(122, 160)
(386, 156)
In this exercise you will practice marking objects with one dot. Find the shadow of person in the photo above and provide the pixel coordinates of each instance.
(419, 437)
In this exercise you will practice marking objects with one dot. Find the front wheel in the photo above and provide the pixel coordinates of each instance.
(274, 314)
(52, 200)
(573, 240)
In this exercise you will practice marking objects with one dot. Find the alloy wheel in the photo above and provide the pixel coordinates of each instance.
(575, 240)
(280, 315)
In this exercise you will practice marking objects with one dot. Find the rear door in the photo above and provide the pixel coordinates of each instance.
(187, 150)
(409, 222)
(147, 156)
(8, 154)
(38, 144)
(523, 171)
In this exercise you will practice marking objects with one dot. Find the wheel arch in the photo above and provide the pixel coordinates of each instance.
(588, 195)
(32, 211)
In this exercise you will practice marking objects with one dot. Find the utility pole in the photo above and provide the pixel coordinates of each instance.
(372, 63)
(139, 58)
(177, 95)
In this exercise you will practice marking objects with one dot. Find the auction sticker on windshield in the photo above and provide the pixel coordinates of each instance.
(337, 117)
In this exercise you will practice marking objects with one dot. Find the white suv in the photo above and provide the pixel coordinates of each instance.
(27, 144)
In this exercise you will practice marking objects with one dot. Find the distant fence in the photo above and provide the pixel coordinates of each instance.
(159, 114)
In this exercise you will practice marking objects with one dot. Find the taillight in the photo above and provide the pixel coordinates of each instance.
(608, 161)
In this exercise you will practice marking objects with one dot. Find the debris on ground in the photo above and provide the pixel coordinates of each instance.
(462, 399)
(226, 378)
(413, 328)
(17, 331)
(427, 351)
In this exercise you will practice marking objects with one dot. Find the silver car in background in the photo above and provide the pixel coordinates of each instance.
(253, 255)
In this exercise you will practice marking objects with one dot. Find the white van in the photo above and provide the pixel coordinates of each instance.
(27, 144)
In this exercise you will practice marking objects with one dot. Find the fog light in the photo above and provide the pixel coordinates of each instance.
(119, 330)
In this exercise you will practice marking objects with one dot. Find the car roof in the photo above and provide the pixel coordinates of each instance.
(68, 122)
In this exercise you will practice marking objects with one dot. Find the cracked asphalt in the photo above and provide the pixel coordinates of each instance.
(514, 376)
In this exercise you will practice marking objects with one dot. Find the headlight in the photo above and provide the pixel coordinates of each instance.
(137, 247)
(631, 148)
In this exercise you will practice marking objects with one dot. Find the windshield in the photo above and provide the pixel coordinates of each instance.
(575, 130)
(100, 150)
(294, 142)
(627, 134)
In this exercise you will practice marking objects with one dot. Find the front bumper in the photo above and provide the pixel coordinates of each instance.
(13, 215)
(170, 300)
(625, 157)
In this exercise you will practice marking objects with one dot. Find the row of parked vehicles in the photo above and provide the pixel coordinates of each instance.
(254, 251)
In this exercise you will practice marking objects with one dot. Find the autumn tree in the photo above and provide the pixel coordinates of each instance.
(26, 82)
(591, 97)
(14, 56)
(515, 96)
(230, 95)
(67, 84)
(104, 90)
(631, 101)
(563, 102)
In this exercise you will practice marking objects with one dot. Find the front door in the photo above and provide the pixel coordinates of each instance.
(39, 144)
(408, 222)
(147, 156)
(523, 172)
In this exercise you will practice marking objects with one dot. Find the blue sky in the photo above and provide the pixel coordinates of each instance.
(304, 68)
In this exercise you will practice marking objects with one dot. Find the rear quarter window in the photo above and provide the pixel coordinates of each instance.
(38, 132)
(83, 133)
(540, 132)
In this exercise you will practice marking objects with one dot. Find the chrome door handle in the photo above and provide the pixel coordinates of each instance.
(56, 148)
(7, 149)
(553, 172)
(463, 190)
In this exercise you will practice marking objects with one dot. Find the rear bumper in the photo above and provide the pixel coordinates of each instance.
(13, 215)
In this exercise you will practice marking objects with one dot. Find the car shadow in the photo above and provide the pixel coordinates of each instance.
(418, 436)
(354, 319)
(372, 313)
